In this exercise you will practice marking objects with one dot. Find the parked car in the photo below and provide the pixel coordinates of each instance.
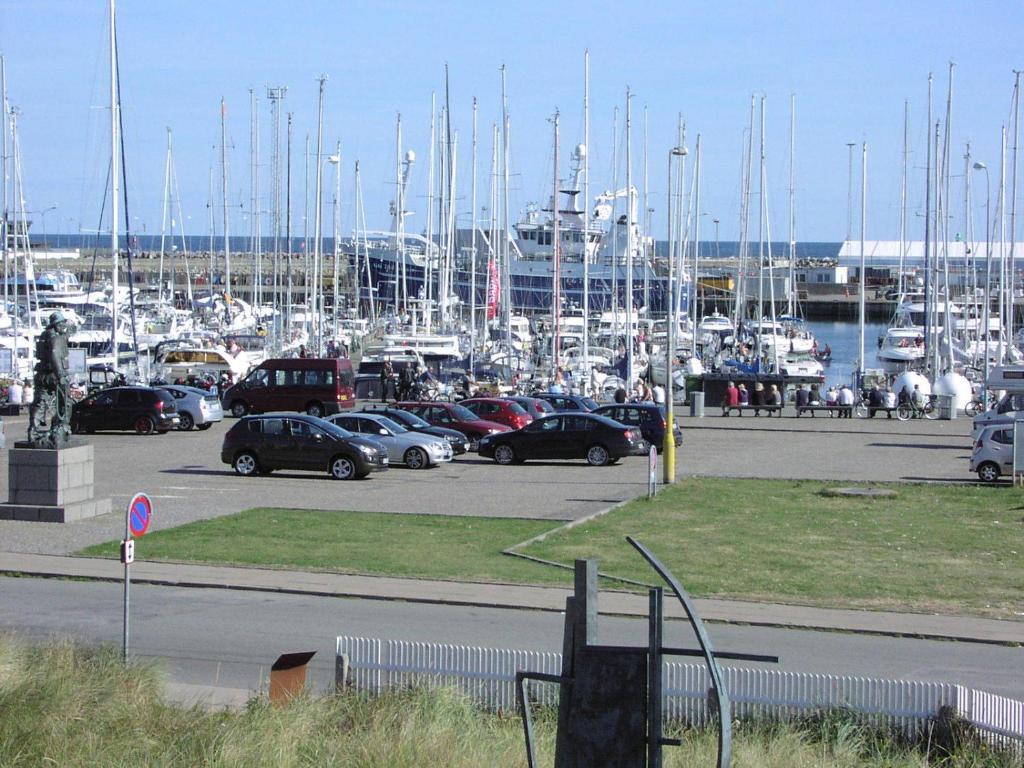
(146, 410)
(498, 409)
(413, 449)
(257, 445)
(993, 453)
(317, 386)
(533, 405)
(454, 416)
(650, 418)
(197, 408)
(588, 436)
(565, 402)
(458, 441)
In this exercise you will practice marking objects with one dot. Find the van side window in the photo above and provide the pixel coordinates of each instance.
(256, 426)
(259, 378)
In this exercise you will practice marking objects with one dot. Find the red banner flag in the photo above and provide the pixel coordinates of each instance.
(493, 289)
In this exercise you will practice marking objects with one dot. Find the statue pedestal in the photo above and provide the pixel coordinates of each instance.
(51, 485)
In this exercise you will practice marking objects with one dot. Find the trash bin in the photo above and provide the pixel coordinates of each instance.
(946, 406)
(697, 404)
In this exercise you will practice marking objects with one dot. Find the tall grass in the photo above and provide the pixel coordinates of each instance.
(62, 705)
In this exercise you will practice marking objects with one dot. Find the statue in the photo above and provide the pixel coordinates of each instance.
(51, 387)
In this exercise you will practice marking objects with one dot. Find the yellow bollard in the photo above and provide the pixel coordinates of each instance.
(669, 449)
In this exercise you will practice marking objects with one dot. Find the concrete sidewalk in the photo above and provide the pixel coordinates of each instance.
(512, 596)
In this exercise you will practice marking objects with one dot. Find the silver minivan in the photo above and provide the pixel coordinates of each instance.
(993, 452)
(1002, 413)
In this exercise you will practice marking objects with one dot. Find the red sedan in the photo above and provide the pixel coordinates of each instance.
(454, 416)
(507, 412)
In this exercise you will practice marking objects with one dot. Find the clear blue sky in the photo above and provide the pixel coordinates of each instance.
(851, 66)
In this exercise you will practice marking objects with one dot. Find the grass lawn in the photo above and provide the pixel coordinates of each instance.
(424, 546)
(941, 548)
(932, 548)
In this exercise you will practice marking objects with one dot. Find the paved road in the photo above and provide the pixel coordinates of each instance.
(182, 471)
(231, 637)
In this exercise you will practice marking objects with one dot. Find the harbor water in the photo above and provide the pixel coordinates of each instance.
(844, 338)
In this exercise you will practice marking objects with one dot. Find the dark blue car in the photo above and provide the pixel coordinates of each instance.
(650, 418)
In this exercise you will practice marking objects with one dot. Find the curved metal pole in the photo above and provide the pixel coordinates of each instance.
(724, 706)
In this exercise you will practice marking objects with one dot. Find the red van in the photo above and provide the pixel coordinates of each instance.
(318, 386)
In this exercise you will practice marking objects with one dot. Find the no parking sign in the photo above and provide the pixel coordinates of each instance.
(140, 512)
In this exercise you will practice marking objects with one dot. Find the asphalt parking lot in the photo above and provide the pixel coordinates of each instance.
(183, 474)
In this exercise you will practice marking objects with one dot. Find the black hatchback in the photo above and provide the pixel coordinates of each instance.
(257, 445)
(147, 410)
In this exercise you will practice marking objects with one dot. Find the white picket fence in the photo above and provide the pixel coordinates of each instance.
(487, 675)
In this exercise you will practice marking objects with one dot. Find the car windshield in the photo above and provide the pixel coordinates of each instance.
(409, 419)
(591, 404)
(390, 424)
(516, 408)
(544, 405)
(463, 414)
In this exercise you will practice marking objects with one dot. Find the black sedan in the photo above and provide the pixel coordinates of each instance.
(457, 440)
(597, 439)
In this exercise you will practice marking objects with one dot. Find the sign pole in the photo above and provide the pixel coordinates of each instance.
(137, 517)
(125, 546)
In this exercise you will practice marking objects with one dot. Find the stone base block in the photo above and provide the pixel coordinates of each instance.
(51, 485)
(55, 514)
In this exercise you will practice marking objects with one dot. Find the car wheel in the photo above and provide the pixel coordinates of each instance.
(505, 454)
(597, 456)
(144, 425)
(416, 458)
(315, 409)
(246, 464)
(239, 408)
(343, 468)
(988, 472)
(185, 421)
(204, 427)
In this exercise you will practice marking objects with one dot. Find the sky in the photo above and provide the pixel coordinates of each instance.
(850, 66)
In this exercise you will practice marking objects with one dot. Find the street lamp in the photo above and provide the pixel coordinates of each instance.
(849, 194)
(43, 213)
(669, 449)
(979, 166)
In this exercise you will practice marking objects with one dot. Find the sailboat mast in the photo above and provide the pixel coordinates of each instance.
(791, 304)
(472, 250)
(115, 186)
(1010, 317)
(318, 293)
(336, 233)
(3, 180)
(863, 264)
(645, 260)
(903, 202)
(254, 212)
(586, 217)
(696, 259)
(629, 241)
(928, 229)
(224, 192)
(164, 216)
(555, 273)
(506, 230)
(288, 229)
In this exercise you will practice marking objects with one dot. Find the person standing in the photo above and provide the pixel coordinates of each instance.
(731, 398)
(387, 381)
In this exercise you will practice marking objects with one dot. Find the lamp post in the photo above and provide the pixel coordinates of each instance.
(669, 449)
(988, 275)
(849, 194)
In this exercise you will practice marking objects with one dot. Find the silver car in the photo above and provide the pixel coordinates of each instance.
(196, 407)
(993, 452)
(413, 449)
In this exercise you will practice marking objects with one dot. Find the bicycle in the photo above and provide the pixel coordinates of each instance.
(976, 405)
(906, 411)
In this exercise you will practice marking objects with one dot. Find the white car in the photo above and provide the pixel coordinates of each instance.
(196, 407)
(413, 449)
(993, 452)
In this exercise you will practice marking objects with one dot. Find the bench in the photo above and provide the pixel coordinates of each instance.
(832, 410)
(888, 411)
(770, 409)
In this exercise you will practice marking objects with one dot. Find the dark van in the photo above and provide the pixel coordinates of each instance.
(318, 386)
